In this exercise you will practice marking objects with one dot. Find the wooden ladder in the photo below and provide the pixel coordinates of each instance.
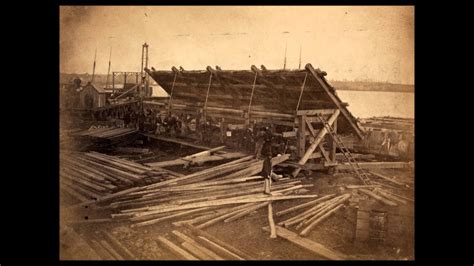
(363, 175)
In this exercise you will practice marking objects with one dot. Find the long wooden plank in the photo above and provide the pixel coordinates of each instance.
(314, 210)
(111, 250)
(122, 161)
(307, 244)
(221, 249)
(119, 245)
(111, 170)
(209, 253)
(161, 209)
(177, 141)
(390, 197)
(107, 197)
(387, 178)
(377, 165)
(100, 250)
(315, 112)
(120, 165)
(304, 205)
(208, 172)
(377, 197)
(196, 251)
(222, 217)
(335, 100)
(73, 193)
(176, 249)
(203, 153)
(199, 159)
(221, 243)
(308, 229)
(157, 220)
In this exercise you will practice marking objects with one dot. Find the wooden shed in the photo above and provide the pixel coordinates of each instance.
(92, 97)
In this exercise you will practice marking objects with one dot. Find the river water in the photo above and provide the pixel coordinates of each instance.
(363, 104)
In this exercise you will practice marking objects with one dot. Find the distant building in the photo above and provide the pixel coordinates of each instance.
(92, 97)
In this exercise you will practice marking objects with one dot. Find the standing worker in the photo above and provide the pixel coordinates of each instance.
(267, 141)
(267, 174)
(259, 141)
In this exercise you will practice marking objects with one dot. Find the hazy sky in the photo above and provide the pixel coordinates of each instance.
(353, 43)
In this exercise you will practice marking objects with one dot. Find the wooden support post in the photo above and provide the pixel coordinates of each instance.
(332, 144)
(171, 93)
(223, 129)
(301, 92)
(301, 136)
(207, 95)
(251, 94)
(271, 222)
(335, 100)
(315, 143)
(324, 152)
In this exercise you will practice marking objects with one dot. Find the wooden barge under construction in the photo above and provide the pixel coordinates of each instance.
(299, 105)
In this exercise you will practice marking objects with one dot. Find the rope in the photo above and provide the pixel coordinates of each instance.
(301, 93)
(171, 94)
(207, 95)
(251, 95)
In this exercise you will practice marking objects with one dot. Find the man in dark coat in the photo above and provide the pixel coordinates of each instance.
(267, 174)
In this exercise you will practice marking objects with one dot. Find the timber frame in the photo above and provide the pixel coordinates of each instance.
(239, 99)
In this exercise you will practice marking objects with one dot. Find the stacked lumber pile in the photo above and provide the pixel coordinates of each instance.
(92, 175)
(233, 192)
(106, 132)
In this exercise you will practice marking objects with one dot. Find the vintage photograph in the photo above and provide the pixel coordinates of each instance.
(236, 132)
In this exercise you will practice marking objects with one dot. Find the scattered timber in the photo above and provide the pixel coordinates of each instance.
(307, 244)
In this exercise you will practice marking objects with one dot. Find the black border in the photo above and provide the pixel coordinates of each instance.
(43, 43)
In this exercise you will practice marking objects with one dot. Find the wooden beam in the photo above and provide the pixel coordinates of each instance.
(177, 141)
(324, 152)
(220, 202)
(377, 197)
(219, 242)
(333, 145)
(316, 112)
(307, 244)
(301, 136)
(221, 249)
(335, 100)
(388, 178)
(176, 249)
(376, 165)
(119, 245)
(310, 127)
(208, 253)
(304, 205)
(315, 143)
(271, 221)
(306, 231)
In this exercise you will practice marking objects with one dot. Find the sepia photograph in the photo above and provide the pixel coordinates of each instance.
(236, 133)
